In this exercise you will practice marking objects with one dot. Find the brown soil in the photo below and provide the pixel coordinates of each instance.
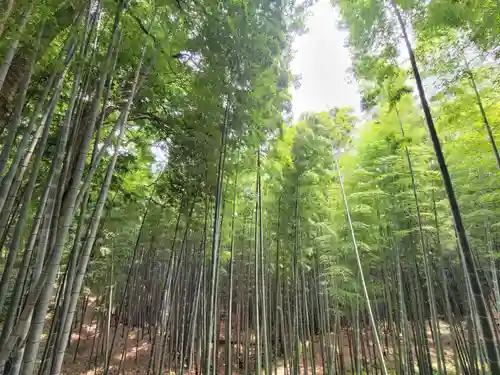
(135, 359)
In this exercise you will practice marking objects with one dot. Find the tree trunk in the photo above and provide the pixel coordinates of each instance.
(465, 250)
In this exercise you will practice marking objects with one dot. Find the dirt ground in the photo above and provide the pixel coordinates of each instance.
(134, 360)
(131, 355)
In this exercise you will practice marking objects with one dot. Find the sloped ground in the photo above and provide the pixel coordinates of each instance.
(131, 355)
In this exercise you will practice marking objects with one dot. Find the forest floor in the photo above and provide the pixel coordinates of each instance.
(137, 354)
(130, 356)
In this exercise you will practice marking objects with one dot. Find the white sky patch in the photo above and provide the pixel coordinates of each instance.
(160, 152)
(322, 60)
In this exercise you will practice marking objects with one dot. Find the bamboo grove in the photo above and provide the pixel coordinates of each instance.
(162, 212)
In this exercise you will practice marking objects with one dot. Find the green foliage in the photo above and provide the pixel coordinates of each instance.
(212, 96)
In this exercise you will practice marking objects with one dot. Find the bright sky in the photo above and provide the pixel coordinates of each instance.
(322, 61)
